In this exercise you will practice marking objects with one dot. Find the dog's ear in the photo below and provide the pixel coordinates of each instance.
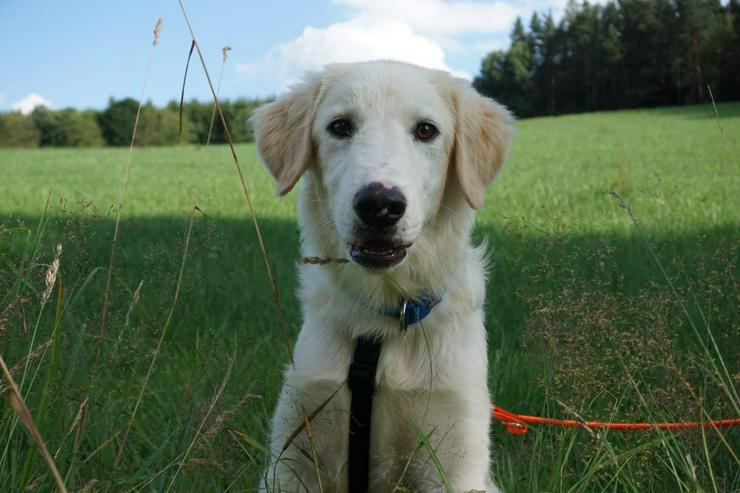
(282, 130)
(483, 135)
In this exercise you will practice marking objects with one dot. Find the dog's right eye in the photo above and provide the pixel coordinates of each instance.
(341, 128)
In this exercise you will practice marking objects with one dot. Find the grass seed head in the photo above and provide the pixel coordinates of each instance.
(50, 277)
(157, 31)
(134, 302)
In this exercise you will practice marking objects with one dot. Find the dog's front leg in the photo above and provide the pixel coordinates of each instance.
(300, 460)
(457, 429)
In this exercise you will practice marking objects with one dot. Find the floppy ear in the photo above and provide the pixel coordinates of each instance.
(482, 137)
(282, 130)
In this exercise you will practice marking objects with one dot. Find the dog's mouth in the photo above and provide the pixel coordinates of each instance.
(377, 254)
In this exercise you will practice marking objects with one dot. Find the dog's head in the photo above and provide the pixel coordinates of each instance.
(385, 139)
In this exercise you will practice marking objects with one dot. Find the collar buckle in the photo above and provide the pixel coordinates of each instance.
(402, 315)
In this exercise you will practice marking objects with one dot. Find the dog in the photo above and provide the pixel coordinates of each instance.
(395, 161)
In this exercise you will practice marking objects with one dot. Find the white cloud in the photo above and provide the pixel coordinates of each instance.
(359, 39)
(416, 31)
(27, 104)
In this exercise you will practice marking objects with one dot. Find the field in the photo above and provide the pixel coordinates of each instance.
(588, 314)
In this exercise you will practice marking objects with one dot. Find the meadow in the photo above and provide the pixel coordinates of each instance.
(591, 311)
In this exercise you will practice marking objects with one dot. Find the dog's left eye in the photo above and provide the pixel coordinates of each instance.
(425, 131)
(341, 128)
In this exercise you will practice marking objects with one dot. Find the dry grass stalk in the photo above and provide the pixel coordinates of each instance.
(89, 486)
(225, 51)
(102, 446)
(24, 362)
(34, 485)
(134, 302)
(24, 318)
(581, 422)
(247, 196)
(24, 415)
(322, 260)
(5, 315)
(263, 251)
(4, 318)
(719, 123)
(209, 464)
(692, 467)
(214, 400)
(81, 411)
(716, 112)
(50, 278)
(220, 421)
(122, 196)
(157, 31)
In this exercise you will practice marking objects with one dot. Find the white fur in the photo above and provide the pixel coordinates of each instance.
(436, 373)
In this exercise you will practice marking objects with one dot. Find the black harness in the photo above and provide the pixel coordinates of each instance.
(361, 383)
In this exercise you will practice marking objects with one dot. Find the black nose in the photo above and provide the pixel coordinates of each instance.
(379, 206)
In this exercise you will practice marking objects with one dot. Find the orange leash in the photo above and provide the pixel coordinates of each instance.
(517, 423)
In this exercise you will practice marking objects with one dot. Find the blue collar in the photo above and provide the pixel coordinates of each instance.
(413, 311)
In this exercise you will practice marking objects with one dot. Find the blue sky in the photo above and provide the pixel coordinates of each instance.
(79, 53)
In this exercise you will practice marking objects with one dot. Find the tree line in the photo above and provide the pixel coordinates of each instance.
(113, 126)
(620, 54)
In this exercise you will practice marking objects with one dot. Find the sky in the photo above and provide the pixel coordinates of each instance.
(80, 53)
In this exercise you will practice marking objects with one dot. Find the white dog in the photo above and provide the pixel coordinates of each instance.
(395, 160)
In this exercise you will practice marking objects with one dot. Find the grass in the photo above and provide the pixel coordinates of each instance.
(578, 310)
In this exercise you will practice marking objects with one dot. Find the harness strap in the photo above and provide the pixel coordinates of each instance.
(361, 382)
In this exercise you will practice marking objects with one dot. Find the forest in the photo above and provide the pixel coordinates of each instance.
(617, 55)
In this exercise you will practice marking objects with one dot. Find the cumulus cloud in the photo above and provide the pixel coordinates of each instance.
(416, 31)
(361, 38)
(27, 104)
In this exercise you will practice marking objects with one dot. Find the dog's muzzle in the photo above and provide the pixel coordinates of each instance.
(379, 208)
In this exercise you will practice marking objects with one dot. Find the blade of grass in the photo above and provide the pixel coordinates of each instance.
(311, 417)
(20, 408)
(426, 444)
(182, 92)
(719, 123)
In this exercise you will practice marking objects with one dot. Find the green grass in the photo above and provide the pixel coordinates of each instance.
(578, 310)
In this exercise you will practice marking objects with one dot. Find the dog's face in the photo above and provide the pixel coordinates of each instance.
(383, 138)
(383, 144)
